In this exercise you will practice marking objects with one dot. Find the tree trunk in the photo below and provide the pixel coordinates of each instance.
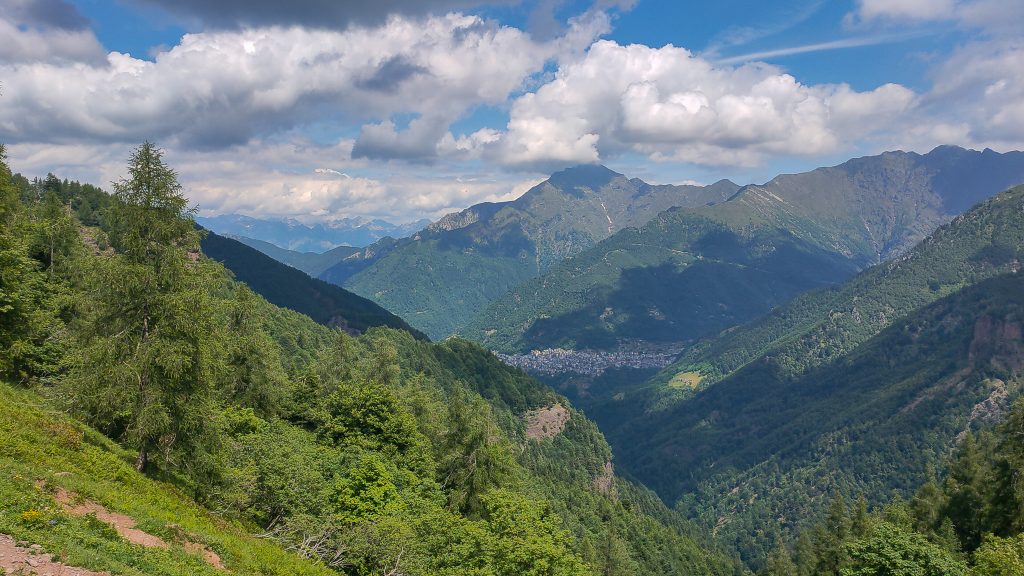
(142, 459)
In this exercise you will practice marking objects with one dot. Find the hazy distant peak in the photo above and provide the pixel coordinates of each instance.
(948, 148)
(293, 234)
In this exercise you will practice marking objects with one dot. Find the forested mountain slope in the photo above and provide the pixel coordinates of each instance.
(291, 288)
(857, 388)
(312, 263)
(358, 456)
(438, 278)
(692, 272)
(968, 522)
(685, 274)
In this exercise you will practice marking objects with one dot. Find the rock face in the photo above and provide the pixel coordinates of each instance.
(605, 481)
(546, 422)
(1000, 340)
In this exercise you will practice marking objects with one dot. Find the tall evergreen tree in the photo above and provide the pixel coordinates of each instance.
(613, 555)
(805, 555)
(965, 489)
(257, 380)
(147, 368)
(830, 541)
(779, 562)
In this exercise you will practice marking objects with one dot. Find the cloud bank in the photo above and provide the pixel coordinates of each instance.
(257, 114)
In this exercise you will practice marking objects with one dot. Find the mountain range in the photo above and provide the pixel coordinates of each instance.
(691, 272)
(591, 258)
(843, 328)
(438, 278)
(292, 234)
(843, 332)
(312, 263)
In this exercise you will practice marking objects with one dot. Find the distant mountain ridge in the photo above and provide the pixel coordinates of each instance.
(693, 271)
(291, 234)
(312, 263)
(440, 276)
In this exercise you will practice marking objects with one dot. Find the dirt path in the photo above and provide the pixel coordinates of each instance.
(125, 526)
(16, 559)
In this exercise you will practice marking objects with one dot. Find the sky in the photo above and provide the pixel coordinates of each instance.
(405, 109)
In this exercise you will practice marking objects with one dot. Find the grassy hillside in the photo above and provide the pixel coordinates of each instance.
(42, 451)
(693, 272)
(441, 276)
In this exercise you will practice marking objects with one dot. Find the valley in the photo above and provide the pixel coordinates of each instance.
(736, 351)
(808, 365)
(511, 288)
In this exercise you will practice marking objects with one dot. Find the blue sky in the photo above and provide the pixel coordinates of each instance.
(404, 109)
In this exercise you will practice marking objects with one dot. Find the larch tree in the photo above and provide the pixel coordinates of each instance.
(147, 368)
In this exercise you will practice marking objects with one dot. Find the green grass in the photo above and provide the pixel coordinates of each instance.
(685, 381)
(42, 449)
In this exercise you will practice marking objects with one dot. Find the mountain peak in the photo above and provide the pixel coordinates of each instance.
(948, 148)
(591, 176)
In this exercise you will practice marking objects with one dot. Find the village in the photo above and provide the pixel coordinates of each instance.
(593, 362)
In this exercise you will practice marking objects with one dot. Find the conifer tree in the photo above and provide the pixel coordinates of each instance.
(779, 562)
(614, 556)
(964, 488)
(860, 523)
(257, 380)
(146, 370)
(805, 555)
(831, 548)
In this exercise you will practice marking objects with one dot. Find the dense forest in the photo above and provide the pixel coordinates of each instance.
(381, 454)
(858, 390)
(970, 523)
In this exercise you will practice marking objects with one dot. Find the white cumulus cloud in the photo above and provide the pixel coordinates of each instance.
(671, 104)
(223, 88)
